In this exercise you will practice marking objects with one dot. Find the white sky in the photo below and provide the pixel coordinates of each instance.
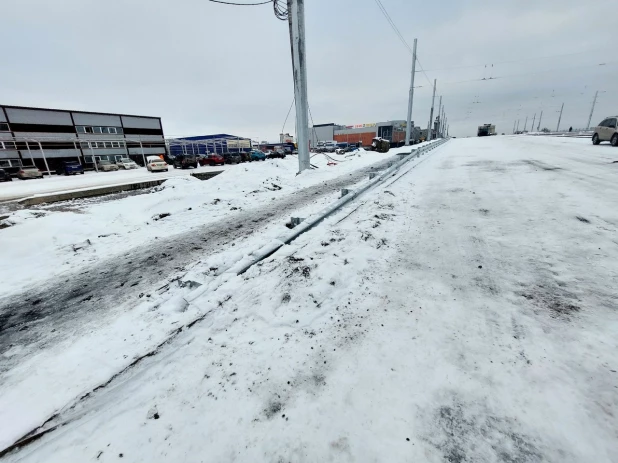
(208, 68)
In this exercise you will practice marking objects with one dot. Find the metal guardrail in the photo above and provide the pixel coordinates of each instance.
(305, 225)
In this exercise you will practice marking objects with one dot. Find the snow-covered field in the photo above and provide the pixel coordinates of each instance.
(18, 189)
(466, 310)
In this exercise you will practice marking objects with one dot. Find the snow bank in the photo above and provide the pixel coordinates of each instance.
(116, 226)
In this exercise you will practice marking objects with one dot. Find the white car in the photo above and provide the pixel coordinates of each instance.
(606, 131)
(126, 163)
(106, 166)
(156, 164)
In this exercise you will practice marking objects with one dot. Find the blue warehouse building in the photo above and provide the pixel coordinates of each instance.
(204, 144)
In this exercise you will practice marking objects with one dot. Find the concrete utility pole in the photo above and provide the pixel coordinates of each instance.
(538, 128)
(525, 124)
(433, 102)
(514, 122)
(439, 117)
(559, 118)
(517, 126)
(533, 119)
(594, 102)
(296, 20)
(411, 97)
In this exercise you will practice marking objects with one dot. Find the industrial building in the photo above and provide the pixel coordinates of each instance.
(46, 137)
(363, 134)
(204, 144)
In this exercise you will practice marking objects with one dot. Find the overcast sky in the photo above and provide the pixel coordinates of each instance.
(208, 68)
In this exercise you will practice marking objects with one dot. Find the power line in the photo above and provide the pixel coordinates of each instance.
(423, 71)
(403, 40)
(512, 61)
(286, 117)
(241, 4)
(281, 9)
(392, 24)
(528, 73)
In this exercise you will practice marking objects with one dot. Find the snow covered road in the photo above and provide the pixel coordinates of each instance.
(466, 311)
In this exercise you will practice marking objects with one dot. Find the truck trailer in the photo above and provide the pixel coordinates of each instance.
(486, 130)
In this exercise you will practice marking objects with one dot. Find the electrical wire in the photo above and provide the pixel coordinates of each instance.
(512, 61)
(281, 9)
(286, 117)
(240, 4)
(485, 79)
(279, 6)
(392, 24)
(403, 40)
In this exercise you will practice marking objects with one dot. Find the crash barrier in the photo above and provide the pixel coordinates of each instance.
(302, 225)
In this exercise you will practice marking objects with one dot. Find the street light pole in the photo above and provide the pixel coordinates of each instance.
(526, 123)
(296, 20)
(559, 118)
(594, 102)
(433, 101)
(533, 119)
(514, 122)
(439, 117)
(411, 97)
(538, 128)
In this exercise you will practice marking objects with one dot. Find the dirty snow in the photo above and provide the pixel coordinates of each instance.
(82, 232)
(463, 311)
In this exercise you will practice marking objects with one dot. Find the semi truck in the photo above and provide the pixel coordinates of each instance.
(486, 130)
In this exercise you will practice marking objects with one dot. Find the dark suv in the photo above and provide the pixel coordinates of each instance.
(5, 176)
(232, 158)
(70, 168)
(184, 161)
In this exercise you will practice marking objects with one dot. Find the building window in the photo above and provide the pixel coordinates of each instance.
(107, 144)
(88, 129)
(116, 144)
(80, 129)
(97, 130)
(111, 129)
(7, 145)
(119, 130)
(4, 127)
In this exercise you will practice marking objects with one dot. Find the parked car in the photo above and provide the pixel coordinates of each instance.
(126, 163)
(244, 156)
(278, 153)
(106, 166)
(5, 176)
(257, 156)
(330, 147)
(212, 160)
(70, 168)
(29, 172)
(156, 164)
(232, 158)
(346, 149)
(606, 131)
(184, 161)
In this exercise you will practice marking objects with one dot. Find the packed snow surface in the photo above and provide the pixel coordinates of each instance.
(465, 310)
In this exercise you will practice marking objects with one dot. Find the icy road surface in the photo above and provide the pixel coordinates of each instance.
(465, 311)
